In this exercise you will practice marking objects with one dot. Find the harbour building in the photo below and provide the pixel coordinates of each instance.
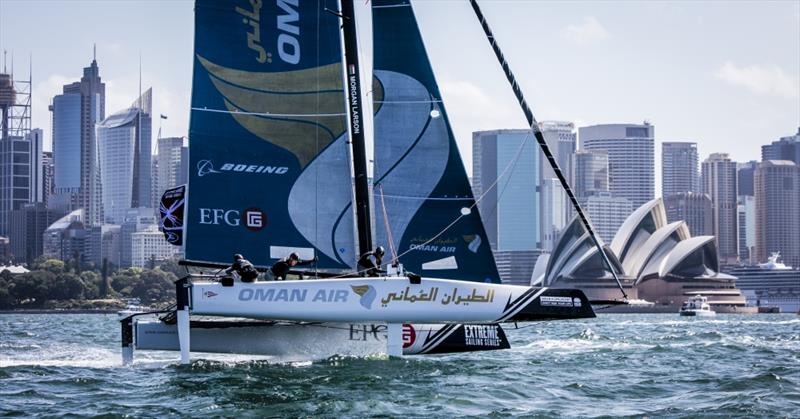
(777, 188)
(631, 164)
(720, 184)
(679, 168)
(124, 144)
(148, 247)
(75, 113)
(657, 261)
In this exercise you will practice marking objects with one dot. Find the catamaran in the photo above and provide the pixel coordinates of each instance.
(278, 152)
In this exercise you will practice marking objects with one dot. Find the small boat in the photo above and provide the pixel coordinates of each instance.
(697, 306)
(134, 306)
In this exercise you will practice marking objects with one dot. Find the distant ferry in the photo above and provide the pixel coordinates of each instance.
(697, 306)
(769, 284)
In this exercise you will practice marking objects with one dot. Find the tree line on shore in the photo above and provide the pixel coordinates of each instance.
(53, 283)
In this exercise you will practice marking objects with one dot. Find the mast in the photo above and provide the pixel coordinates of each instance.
(542, 143)
(355, 115)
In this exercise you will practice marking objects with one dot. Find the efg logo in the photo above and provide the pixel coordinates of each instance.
(253, 218)
(206, 167)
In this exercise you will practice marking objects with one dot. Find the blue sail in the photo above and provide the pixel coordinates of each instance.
(269, 159)
(420, 185)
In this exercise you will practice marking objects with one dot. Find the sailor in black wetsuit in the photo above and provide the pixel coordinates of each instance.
(282, 267)
(246, 271)
(368, 267)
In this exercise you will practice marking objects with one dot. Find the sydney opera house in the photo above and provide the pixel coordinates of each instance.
(656, 261)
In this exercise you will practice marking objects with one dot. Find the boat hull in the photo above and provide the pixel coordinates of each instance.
(385, 299)
(698, 313)
(313, 341)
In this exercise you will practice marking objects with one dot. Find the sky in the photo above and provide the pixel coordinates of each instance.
(725, 74)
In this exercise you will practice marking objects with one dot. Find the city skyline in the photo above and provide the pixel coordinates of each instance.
(722, 76)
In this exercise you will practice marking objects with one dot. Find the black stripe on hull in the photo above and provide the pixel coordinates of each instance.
(468, 338)
(554, 304)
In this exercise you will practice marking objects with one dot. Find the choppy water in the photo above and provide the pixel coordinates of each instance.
(619, 365)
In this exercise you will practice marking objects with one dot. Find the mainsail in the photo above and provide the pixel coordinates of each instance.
(424, 207)
(269, 159)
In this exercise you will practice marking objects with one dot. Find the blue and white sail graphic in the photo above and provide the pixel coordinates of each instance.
(424, 207)
(270, 165)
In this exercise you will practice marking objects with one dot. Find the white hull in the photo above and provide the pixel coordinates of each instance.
(387, 299)
(698, 313)
(395, 303)
(288, 341)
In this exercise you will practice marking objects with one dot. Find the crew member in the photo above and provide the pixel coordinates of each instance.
(282, 267)
(370, 263)
(246, 271)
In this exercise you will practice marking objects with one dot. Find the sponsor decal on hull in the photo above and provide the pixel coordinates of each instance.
(553, 301)
(293, 295)
(447, 297)
(482, 335)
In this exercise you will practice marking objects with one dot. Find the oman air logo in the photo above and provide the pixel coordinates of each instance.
(367, 294)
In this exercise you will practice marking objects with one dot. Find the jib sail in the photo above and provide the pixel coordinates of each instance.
(424, 207)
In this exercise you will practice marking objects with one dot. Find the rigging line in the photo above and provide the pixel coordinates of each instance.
(408, 101)
(428, 198)
(387, 225)
(286, 115)
(542, 143)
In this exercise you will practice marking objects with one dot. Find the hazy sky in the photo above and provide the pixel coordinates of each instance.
(723, 74)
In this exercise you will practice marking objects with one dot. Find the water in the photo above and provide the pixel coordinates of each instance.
(618, 365)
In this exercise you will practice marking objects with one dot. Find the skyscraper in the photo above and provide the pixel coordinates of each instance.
(124, 140)
(27, 227)
(692, 207)
(746, 208)
(20, 150)
(679, 168)
(36, 165)
(720, 183)
(75, 113)
(555, 207)
(745, 173)
(607, 213)
(47, 176)
(777, 188)
(172, 166)
(786, 148)
(509, 160)
(590, 175)
(631, 164)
